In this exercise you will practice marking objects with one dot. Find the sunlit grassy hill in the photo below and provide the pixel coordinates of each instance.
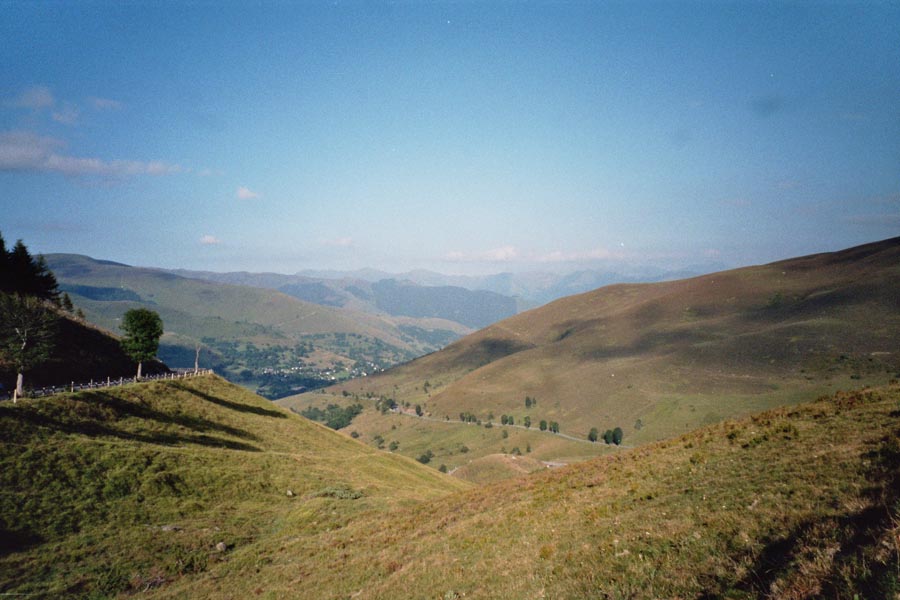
(797, 502)
(132, 488)
(193, 306)
(661, 359)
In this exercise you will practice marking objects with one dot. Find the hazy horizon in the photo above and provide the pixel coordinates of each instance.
(471, 138)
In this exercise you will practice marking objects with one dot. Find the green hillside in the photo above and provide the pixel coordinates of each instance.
(800, 502)
(661, 359)
(128, 489)
(244, 327)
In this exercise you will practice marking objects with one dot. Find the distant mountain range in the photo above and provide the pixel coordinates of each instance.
(423, 293)
(395, 296)
(532, 288)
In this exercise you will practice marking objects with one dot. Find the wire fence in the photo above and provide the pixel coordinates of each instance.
(110, 382)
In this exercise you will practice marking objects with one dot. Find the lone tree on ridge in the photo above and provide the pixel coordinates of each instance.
(143, 328)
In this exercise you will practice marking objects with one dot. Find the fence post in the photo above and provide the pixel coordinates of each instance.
(72, 388)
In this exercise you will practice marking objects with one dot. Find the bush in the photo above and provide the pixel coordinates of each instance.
(426, 457)
(593, 434)
(617, 436)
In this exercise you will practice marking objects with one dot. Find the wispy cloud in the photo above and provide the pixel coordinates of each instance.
(245, 193)
(210, 240)
(501, 254)
(33, 98)
(559, 256)
(26, 151)
(39, 98)
(67, 114)
(341, 242)
(105, 103)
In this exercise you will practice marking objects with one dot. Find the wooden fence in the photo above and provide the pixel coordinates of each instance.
(110, 382)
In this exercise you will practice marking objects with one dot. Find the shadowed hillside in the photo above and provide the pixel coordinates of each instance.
(80, 353)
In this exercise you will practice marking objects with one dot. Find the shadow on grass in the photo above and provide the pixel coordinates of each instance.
(859, 535)
(17, 540)
(256, 410)
(96, 414)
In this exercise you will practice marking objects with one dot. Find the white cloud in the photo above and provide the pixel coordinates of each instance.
(210, 240)
(26, 151)
(34, 98)
(502, 254)
(105, 103)
(245, 193)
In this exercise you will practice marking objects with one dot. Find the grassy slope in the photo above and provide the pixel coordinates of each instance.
(673, 355)
(128, 488)
(201, 307)
(798, 502)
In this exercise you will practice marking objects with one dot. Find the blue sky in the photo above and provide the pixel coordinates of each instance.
(461, 137)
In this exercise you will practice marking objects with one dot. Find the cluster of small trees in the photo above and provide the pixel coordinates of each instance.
(333, 416)
(551, 426)
(610, 436)
(467, 417)
(507, 420)
(384, 404)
